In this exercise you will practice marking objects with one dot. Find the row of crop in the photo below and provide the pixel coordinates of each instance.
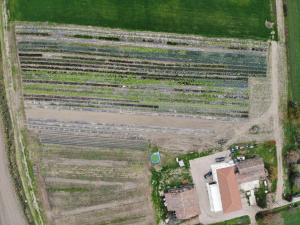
(140, 63)
(143, 67)
(137, 61)
(154, 75)
(156, 72)
(240, 58)
(161, 106)
(81, 128)
(215, 85)
(139, 75)
(88, 141)
(139, 95)
(138, 36)
(176, 111)
(221, 92)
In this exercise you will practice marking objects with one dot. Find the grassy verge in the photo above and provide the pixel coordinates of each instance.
(243, 220)
(224, 18)
(287, 215)
(6, 121)
(293, 19)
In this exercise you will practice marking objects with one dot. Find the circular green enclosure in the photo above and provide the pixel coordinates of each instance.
(155, 158)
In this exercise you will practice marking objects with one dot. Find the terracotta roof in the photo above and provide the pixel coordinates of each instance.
(183, 202)
(251, 170)
(229, 190)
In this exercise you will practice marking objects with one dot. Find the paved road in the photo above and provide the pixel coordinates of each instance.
(11, 212)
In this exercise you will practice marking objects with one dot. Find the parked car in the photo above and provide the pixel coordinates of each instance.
(220, 159)
(208, 174)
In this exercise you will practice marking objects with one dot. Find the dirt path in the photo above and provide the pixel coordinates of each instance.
(279, 86)
(11, 212)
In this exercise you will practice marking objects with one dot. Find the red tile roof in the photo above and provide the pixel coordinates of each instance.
(229, 190)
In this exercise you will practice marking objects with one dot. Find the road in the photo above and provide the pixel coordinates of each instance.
(11, 212)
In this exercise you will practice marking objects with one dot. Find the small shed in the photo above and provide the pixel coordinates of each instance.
(251, 170)
(183, 201)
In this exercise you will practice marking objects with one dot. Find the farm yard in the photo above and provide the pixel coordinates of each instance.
(97, 99)
(222, 18)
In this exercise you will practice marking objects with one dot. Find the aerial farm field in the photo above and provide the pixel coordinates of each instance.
(240, 19)
(97, 99)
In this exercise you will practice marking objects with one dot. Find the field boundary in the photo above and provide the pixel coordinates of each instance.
(35, 215)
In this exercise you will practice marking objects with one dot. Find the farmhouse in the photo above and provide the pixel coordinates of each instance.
(229, 190)
(250, 172)
(184, 202)
(223, 193)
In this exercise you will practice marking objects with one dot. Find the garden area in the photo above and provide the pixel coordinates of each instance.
(169, 175)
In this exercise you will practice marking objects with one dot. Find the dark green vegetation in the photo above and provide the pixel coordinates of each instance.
(294, 48)
(267, 151)
(243, 220)
(261, 197)
(287, 215)
(292, 125)
(291, 157)
(243, 18)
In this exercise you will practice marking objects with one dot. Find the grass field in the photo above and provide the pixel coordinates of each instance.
(243, 220)
(229, 18)
(294, 48)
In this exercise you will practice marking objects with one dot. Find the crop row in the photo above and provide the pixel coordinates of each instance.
(144, 68)
(240, 58)
(143, 64)
(111, 79)
(140, 37)
(133, 132)
(90, 141)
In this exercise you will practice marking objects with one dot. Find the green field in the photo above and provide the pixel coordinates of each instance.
(294, 48)
(229, 18)
(287, 215)
(243, 220)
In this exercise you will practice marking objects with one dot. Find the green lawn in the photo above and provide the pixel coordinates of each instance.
(294, 47)
(287, 215)
(230, 18)
(291, 217)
